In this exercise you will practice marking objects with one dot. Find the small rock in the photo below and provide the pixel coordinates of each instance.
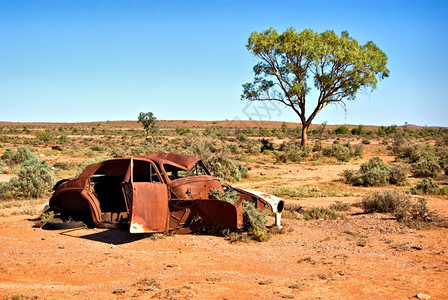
(422, 296)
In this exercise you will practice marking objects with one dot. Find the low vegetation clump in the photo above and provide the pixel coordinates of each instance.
(254, 221)
(33, 180)
(21, 155)
(428, 187)
(340, 206)
(426, 165)
(376, 173)
(321, 213)
(343, 153)
(384, 202)
(291, 153)
(415, 215)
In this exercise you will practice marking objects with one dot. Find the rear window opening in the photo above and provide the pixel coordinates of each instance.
(174, 172)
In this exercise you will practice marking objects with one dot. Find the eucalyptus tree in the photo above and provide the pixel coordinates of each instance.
(291, 63)
(149, 123)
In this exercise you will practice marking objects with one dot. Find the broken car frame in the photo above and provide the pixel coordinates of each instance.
(163, 192)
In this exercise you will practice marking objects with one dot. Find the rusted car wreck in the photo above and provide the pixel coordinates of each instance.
(163, 192)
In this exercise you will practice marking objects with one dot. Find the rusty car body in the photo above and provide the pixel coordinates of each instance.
(162, 192)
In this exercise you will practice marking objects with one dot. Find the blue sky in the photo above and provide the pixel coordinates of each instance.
(70, 61)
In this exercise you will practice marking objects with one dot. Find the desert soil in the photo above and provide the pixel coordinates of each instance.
(357, 257)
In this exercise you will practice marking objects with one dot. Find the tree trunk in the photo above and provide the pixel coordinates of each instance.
(304, 135)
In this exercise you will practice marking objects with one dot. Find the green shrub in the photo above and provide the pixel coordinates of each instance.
(405, 149)
(292, 153)
(253, 220)
(340, 152)
(341, 130)
(340, 206)
(7, 155)
(385, 202)
(317, 146)
(46, 216)
(418, 216)
(359, 151)
(21, 155)
(318, 213)
(428, 187)
(398, 175)
(358, 131)
(376, 173)
(266, 145)
(44, 136)
(223, 166)
(426, 166)
(34, 180)
(183, 130)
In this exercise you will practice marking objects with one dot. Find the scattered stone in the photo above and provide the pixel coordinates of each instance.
(422, 296)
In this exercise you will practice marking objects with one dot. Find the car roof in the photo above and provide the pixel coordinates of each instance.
(181, 161)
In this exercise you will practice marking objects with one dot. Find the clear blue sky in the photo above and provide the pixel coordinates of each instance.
(70, 61)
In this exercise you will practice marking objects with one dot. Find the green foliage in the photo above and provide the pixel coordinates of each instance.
(376, 173)
(291, 153)
(340, 206)
(253, 220)
(44, 136)
(266, 145)
(149, 122)
(317, 146)
(340, 152)
(284, 127)
(183, 130)
(358, 131)
(46, 216)
(405, 149)
(34, 180)
(359, 151)
(385, 202)
(17, 157)
(426, 166)
(341, 130)
(428, 187)
(416, 215)
(223, 166)
(320, 213)
(338, 65)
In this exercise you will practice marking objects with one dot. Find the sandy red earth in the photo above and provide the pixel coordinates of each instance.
(361, 256)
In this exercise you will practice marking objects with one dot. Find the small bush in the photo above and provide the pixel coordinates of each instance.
(359, 151)
(318, 213)
(376, 173)
(428, 187)
(222, 165)
(46, 216)
(291, 154)
(405, 149)
(317, 146)
(385, 202)
(426, 166)
(266, 145)
(253, 220)
(21, 155)
(34, 180)
(341, 130)
(340, 152)
(340, 206)
(419, 216)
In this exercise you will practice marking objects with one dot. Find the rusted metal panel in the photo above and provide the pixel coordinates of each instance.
(113, 196)
(183, 161)
(149, 212)
(194, 187)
